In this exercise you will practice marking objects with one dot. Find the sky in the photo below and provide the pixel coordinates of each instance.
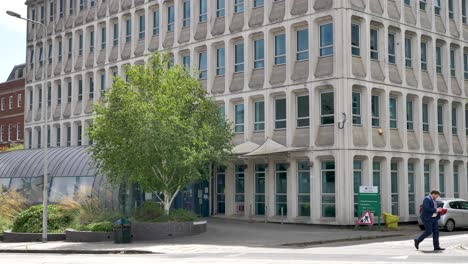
(12, 37)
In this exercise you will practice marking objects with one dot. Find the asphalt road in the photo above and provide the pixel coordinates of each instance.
(399, 250)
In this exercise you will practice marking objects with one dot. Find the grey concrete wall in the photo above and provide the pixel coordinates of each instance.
(237, 82)
(278, 11)
(299, 7)
(412, 140)
(156, 231)
(325, 136)
(10, 237)
(218, 26)
(278, 74)
(184, 35)
(218, 85)
(358, 67)
(394, 73)
(455, 86)
(256, 17)
(453, 29)
(375, 7)
(410, 17)
(237, 23)
(395, 139)
(441, 84)
(257, 79)
(80, 236)
(301, 137)
(376, 71)
(322, 5)
(411, 77)
(426, 81)
(201, 32)
(377, 139)
(279, 136)
(359, 136)
(439, 23)
(457, 146)
(324, 66)
(443, 145)
(301, 71)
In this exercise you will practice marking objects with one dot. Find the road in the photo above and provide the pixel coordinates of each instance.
(398, 250)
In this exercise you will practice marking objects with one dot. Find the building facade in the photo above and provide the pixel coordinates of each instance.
(12, 108)
(324, 96)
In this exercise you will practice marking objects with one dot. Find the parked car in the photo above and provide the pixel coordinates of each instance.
(456, 214)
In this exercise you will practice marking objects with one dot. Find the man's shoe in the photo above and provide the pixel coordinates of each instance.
(439, 249)
(416, 244)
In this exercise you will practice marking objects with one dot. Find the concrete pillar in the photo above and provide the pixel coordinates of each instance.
(292, 189)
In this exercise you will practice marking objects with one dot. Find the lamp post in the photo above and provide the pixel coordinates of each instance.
(44, 94)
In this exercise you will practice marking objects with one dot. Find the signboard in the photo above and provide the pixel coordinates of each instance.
(369, 199)
(365, 219)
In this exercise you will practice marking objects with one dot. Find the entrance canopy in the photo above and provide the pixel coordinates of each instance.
(269, 147)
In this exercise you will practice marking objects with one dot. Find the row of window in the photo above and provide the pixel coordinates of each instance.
(451, 9)
(11, 102)
(11, 130)
(327, 186)
(57, 141)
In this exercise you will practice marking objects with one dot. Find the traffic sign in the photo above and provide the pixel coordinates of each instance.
(365, 219)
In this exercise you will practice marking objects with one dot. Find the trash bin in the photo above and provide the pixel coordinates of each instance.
(391, 221)
(122, 231)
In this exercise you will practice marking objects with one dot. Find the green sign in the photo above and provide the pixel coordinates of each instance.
(369, 201)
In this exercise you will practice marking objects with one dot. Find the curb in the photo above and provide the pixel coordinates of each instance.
(321, 242)
(465, 247)
(76, 251)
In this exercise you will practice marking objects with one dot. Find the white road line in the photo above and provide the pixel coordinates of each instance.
(236, 255)
(400, 257)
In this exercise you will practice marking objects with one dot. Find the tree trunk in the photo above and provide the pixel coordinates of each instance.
(167, 202)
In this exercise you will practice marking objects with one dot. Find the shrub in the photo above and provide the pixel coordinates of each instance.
(11, 204)
(182, 215)
(30, 220)
(149, 211)
(105, 226)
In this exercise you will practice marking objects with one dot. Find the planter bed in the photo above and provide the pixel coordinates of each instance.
(86, 236)
(146, 231)
(30, 237)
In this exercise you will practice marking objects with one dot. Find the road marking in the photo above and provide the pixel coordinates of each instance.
(400, 257)
(236, 255)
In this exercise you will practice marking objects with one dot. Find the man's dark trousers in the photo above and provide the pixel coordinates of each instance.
(431, 227)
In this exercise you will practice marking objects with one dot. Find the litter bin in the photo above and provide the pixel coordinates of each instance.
(391, 221)
(122, 231)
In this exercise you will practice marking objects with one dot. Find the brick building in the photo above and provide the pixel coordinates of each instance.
(11, 108)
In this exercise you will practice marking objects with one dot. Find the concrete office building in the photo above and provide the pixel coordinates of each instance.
(324, 95)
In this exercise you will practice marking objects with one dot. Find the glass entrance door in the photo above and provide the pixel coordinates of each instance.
(260, 189)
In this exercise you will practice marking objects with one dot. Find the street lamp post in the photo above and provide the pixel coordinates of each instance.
(46, 133)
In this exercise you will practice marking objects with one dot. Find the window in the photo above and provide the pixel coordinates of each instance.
(239, 58)
(70, 46)
(170, 18)
(39, 137)
(239, 118)
(186, 18)
(103, 38)
(327, 108)
(302, 45)
(427, 178)
(466, 121)
(48, 136)
(450, 8)
(220, 61)
(425, 117)
(10, 132)
(91, 41)
(408, 54)
(3, 104)
(454, 121)
(49, 55)
(438, 60)
(59, 95)
(463, 4)
(49, 96)
(260, 171)
(258, 3)
(141, 34)
(411, 195)
(156, 22)
(10, 102)
(355, 40)
(186, 62)
(280, 113)
(2, 128)
(220, 8)
(374, 40)
(452, 62)
(91, 88)
(456, 189)
(356, 105)
(407, 2)
(80, 90)
(60, 51)
(19, 101)
(31, 58)
(259, 54)
(220, 190)
(375, 107)
(70, 10)
(422, 5)
(238, 6)
(128, 32)
(69, 95)
(259, 122)
(328, 189)
(92, 2)
(409, 115)
(78, 134)
(437, 7)
(61, 8)
(302, 119)
(203, 11)
(281, 182)
(392, 103)
(68, 136)
(103, 82)
(280, 49)
(440, 119)
(442, 179)
(82, 4)
(391, 48)
(465, 66)
(240, 183)
(40, 98)
(303, 187)
(30, 100)
(376, 175)
(394, 187)
(40, 56)
(57, 134)
(326, 40)
(18, 132)
(424, 56)
(203, 65)
(80, 45)
(357, 179)
(42, 14)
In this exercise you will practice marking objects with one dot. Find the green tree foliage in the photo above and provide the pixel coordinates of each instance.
(158, 129)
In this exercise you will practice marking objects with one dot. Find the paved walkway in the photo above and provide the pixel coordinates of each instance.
(225, 234)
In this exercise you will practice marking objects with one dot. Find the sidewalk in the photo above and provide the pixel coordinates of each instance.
(222, 234)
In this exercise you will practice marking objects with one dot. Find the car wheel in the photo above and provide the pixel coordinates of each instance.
(450, 225)
(421, 227)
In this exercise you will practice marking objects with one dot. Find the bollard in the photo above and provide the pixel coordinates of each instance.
(265, 214)
(282, 215)
(250, 213)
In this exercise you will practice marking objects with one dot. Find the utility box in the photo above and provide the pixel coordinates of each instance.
(122, 231)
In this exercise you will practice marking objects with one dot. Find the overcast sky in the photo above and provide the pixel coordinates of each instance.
(12, 37)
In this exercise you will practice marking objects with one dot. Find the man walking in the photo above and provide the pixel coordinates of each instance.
(430, 216)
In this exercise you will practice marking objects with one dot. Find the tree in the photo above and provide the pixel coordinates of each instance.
(158, 129)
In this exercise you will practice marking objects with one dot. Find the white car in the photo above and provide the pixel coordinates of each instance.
(456, 215)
